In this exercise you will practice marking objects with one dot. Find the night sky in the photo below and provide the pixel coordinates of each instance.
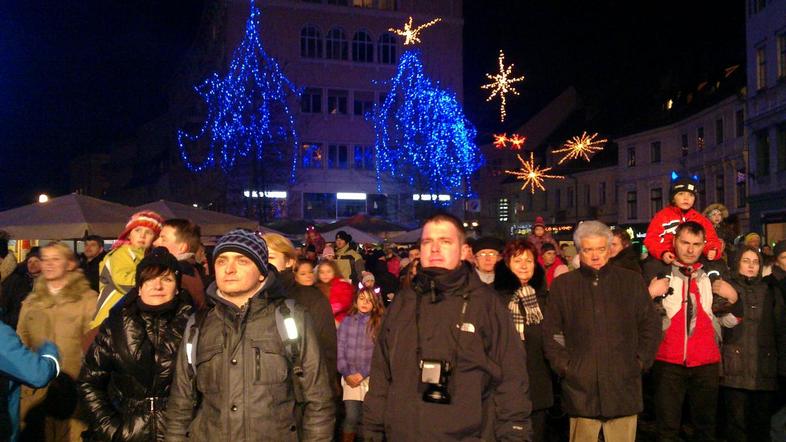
(78, 75)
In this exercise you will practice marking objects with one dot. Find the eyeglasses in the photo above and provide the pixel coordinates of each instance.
(487, 254)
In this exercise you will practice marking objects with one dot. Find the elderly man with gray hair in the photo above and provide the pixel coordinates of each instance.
(600, 332)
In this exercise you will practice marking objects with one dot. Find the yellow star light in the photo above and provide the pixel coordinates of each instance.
(531, 174)
(502, 84)
(581, 146)
(500, 140)
(410, 34)
(517, 141)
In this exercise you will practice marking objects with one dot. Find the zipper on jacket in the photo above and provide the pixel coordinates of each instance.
(258, 364)
(685, 302)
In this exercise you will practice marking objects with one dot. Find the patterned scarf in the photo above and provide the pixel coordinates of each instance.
(532, 315)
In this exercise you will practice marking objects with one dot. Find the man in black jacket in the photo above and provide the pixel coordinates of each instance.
(448, 363)
(600, 332)
(90, 259)
(241, 376)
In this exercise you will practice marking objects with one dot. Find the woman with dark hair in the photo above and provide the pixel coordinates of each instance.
(750, 350)
(522, 286)
(128, 368)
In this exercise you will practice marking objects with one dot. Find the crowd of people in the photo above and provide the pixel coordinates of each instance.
(454, 338)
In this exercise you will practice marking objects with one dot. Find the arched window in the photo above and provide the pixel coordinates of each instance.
(362, 47)
(310, 42)
(387, 49)
(336, 46)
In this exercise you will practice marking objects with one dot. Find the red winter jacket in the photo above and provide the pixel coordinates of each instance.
(660, 233)
(341, 297)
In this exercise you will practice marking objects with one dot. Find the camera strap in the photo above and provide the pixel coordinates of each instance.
(462, 316)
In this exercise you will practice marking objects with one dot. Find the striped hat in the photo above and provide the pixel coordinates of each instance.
(247, 243)
(145, 218)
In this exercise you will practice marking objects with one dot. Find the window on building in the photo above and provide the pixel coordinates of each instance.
(311, 156)
(570, 197)
(761, 68)
(684, 144)
(338, 2)
(655, 152)
(363, 102)
(311, 101)
(319, 205)
(336, 45)
(602, 194)
(310, 42)
(503, 210)
(363, 3)
(742, 187)
(337, 101)
(702, 192)
(363, 157)
(387, 49)
(616, 193)
(338, 156)
(631, 156)
(700, 138)
(362, 47)
(719, 131)
(558, 199)
(545, 200)
(349, 208)
(782, 56)
(720, 189)
(755, 6)
(382, 97)
(739, 122)
(377, 204)
(530, 200)
(587, 194)
(656, 200)
(632, 205)
(762, 153)
(781, 131)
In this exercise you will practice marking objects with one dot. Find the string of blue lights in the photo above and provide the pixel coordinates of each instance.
(247, 110)
(422, 135)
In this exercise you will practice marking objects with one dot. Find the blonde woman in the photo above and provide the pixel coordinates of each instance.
(59, 309)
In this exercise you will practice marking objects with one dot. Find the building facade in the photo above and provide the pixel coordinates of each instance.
(341, 53)
(766, 115)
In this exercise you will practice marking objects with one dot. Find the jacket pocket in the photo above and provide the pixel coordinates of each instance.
(732, 361)
(209, 368)
(270, 362)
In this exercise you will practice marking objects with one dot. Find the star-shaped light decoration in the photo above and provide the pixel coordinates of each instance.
(531, 174)
(410, 34)
(581, 146)
(517, 141)
(500, 140)
(502, 84)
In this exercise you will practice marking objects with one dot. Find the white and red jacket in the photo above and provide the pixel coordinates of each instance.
(660, 233)
(695, 342)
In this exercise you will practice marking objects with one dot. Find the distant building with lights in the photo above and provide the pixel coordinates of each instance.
(766, 115)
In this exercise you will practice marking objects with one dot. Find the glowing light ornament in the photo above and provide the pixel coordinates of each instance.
(247, 110)
(410, 34)
(422, 137)
(531, 174)
(500, 141)
(581, 146)
(502, 84)
(517, 141)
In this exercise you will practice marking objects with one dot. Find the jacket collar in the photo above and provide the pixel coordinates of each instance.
(589, 272)
(73, 291)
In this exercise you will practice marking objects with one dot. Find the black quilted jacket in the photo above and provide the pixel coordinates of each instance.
(128, 369)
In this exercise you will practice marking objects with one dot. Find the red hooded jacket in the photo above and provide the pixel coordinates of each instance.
(660, 233)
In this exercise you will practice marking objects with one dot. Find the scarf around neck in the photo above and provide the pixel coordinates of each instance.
(525, 296)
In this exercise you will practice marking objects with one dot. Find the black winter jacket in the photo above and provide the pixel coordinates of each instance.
(627, 258)
(488, 382)
(751, 349)
(15, 289)
(243, 389)
(611, 333)
(540, 386)
(127, 372)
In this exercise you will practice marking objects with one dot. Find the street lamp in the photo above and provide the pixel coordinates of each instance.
(43, 198)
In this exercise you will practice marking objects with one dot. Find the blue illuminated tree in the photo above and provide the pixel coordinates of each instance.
(248, 114)
(422, 135)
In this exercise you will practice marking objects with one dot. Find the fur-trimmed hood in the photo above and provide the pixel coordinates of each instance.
(75, 290)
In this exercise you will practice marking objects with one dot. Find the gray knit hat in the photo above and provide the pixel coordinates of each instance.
(247, 243)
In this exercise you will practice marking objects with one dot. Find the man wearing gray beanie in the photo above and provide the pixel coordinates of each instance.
(241, 371)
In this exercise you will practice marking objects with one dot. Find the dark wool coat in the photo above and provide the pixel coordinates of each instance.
(611, 333)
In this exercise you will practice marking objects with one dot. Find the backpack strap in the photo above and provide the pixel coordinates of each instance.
(191, 335)
(289, 322)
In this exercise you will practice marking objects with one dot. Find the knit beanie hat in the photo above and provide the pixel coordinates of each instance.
(145, 218)
(247, 243)
(539, 222)
(683, 184)
(547, 247)
(159, 257)
(367, 276)
(344, 236)
(780, 247)
(328, 251)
